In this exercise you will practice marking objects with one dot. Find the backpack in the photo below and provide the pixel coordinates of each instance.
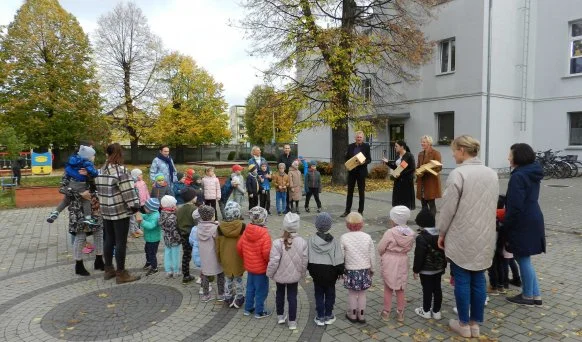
(226, 190)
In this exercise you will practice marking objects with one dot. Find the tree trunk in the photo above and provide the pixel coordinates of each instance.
(134, 153)
(339, 146)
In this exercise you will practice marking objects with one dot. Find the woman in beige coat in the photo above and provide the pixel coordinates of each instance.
(466, 221)
(295, 187)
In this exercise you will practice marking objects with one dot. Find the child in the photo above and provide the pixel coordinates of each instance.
(430, 263)
(295, 186)
(326, 265)
(77, 182)
(185, 223)
(238, 184)
(360, 258)
(229, 232)
(160, 188)
(207, 228)
(189, 177)
(313, 184)
(179, 187)
(142, 192)
(265, 184)
(152, 232)
(506, 259)
(211, 187)
(393, 249)
(196, 249)
(254, 247)
(280, 183)
(288, 265)
(172, 239)
(253, 186)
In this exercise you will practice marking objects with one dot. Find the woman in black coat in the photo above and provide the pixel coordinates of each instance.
(523, 225)
(403, 191)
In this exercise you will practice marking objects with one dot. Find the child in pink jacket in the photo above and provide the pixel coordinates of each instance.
(393, 249)
(211, 187)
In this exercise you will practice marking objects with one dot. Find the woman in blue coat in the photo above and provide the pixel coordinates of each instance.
(523, 226)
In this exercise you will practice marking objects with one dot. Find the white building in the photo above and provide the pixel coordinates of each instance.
(503, 71)
(237, 124)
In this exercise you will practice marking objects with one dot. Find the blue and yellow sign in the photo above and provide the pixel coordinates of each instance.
(41, 163)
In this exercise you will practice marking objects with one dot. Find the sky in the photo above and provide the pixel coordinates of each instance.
(198, 28)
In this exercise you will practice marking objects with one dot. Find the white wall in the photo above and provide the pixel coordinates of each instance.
(315, 143)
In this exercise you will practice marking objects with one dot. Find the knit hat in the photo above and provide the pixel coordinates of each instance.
(236, 168)
(136, 173)
(281, 164)
(188, 195)
(354, 222)
(424, 219)
(160, 177)
(258, 215)
(295, 164)
(86, 152)
(291, 222)
(153, 204)
(400, 215)
(179, 175)
(168, 201)
(231, 211)
(323, 222)
(313, 163)
(206, 213)
(252, 167)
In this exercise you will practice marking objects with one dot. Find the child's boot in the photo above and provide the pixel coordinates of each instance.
(351, 315)
(80, 268)
(361, 317)
(52, 216)
(99, 265)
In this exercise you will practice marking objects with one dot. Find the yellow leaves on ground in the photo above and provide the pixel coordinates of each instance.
(371, 185)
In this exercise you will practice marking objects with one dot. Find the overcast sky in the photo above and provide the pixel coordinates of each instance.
(198, 28)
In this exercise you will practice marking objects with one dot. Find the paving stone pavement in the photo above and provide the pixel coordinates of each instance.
(41, 299)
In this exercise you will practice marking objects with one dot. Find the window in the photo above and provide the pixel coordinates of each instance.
(446, 127)
(575, 128)
(446, 63)
(367, 89)
(576, 47)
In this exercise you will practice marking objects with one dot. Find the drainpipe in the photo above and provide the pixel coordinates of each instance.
(488, 103)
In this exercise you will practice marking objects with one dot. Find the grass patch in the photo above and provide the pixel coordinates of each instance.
(41, 180)
(7, 200)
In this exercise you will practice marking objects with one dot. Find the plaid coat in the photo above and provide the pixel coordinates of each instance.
(115, 189)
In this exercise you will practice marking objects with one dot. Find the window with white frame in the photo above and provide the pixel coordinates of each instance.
(575, 128)
(446, 62)
(367, 89)
(446, 127)
(576, 47)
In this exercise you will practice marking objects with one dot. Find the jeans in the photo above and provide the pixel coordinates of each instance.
(281, 200)
(151, 251)
(431, 292)
(257, 291)
(529, 279)
(324, 300)
(353, 178)
(115, 236)
(291, 299)
(172, 259)
(315, 193)
(470, 294)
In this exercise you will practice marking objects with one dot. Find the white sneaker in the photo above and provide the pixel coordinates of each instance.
(292, 325)
(282, 319)
(198, 280)
(424, 314)
(436, 315)
(455, 310)
(486, 300)
(201, 291)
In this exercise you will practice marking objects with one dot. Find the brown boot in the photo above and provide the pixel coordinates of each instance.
(124, 277)
(109, 273)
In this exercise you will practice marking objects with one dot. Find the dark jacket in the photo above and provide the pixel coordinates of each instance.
(287, 160)
(403, 192)
(523, 225)
(76, 163)
(361, 170)
(427, 255)
(159, 191)
(325, 259)
(252, 185)
(313, 180)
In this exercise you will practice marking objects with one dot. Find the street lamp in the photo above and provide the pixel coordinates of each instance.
(274, 137)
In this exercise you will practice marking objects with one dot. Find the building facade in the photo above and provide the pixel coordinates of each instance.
(237, 124)
(502, 71)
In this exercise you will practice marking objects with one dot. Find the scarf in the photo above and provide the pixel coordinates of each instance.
(168, 161)
(325, 236)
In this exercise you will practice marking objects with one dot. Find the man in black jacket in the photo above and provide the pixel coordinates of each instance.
(286, 158)
(357, 174)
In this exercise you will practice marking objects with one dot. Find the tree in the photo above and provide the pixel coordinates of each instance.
(334, 45)
(48, 90)
(191, 105)
(263, 105)
(128, 55)
(13, 143)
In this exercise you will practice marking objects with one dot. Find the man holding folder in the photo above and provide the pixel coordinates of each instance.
(357, 174)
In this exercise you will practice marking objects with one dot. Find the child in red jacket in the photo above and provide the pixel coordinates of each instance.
(254, 247)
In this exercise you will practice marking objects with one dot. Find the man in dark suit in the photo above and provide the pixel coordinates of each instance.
(357, 174)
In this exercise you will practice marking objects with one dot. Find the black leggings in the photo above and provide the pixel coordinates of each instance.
(431, 292)
(115, 236)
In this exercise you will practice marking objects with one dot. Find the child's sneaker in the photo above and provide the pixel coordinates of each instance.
(263, 314)
(455, 310)
(249, 312)
(201, 291)
(229, 301)
(319, 322)
(198, 280)
(436, 315)
(187, 279)
(151, 271)
(329, 320)
(52, 217)
(146, 267)
(318, 210)
(385, 315)
(205, 298)
(492, 291)
(292, 325)
(424, 314)
(238, 302)
(281, 319)
(169, 275)
(90, 221)
(220, 298)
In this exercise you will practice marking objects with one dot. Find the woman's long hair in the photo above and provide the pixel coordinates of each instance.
(114, 154)
(287, 240)
(403, 144)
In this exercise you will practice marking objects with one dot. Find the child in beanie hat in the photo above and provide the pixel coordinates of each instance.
(172, 238)
(287, 266)
(152, 233)
(252, 186)
(326, 265)
(185, 224)
(360, 259)
(254, 247)
(160, 188)
(229, 233)
(393, 249)
(295, 186)
(430, 264)
(207, 233)
(313, 185)
(178, 188)
(280, 183)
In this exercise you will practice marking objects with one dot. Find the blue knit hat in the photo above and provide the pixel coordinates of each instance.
(153, 204)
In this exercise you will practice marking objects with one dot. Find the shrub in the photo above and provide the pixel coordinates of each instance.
(379, 171)
(269, 157)
(244, 156)
(325, 168)
(231, 155)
